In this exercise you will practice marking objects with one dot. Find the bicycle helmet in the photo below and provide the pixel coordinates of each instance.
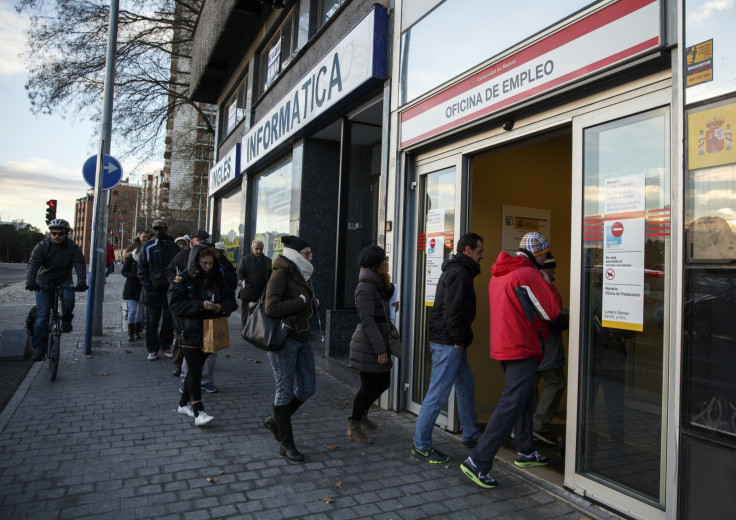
(59, 223)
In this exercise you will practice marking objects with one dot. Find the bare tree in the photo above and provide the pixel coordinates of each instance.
(67, 41)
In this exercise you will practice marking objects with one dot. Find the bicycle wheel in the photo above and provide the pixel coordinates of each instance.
(53, 354)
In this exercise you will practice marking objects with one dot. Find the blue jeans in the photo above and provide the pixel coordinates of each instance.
(515, 407)
(293, 370)
(449, 367)
(135, 311)
(44, 302)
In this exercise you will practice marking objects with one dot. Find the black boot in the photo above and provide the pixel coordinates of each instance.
(287, 449)
(131, 331)
(294, 405)
(137, 330)
(270, 423)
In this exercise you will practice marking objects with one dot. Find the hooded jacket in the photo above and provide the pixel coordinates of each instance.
(154, 257)
(454, 303)
(132, 287)
(282, 297)
(522, 303)
(370, 338)
(187, 294)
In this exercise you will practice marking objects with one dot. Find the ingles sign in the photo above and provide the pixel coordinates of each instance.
(358, 57)
(616, 33)
(225, 170)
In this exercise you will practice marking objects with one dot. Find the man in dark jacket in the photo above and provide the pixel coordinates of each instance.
(254, 270)
(51, 261)
(522, 302)
(449, 337)
(154, 257)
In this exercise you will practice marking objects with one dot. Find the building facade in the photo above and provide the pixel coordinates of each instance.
(301, 146)
(605, 125)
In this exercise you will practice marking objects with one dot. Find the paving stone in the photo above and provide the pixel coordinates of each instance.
(104, 441)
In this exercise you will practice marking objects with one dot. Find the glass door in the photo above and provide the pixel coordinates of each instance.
(624, 264)
(437, 229)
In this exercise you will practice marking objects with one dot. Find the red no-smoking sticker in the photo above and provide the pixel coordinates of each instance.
(431, 243)
(617, 229)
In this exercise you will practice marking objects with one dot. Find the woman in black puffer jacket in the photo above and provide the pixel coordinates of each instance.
(369, 353)
(197, 294)
(132, 293)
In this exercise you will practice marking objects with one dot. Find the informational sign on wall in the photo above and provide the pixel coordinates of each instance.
(609, 36)
(517, 222)
(699, 63)
(359, 57)
(623, 252)
(435, 231)
(226, 169)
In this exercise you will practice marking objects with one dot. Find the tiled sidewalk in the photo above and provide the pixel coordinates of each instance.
(105, 441)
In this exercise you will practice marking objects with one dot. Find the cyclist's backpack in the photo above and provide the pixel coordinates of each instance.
(31, 320)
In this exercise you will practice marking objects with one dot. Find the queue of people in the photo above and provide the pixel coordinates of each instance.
(526, 321)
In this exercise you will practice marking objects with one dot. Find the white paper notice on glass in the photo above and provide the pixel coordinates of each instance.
(623, 253)
(435, 248)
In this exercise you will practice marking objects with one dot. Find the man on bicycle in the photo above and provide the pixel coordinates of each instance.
(51, 261)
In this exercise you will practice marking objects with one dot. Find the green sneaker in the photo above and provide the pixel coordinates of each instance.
(431, 456)
(532, 459)
(469, 444)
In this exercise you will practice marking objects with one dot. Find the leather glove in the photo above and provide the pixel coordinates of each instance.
(32, 286)
(81, 287)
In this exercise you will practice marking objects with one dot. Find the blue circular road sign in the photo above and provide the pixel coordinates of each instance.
(110, 178)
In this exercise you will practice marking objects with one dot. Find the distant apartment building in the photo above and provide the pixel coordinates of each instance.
(121, 218)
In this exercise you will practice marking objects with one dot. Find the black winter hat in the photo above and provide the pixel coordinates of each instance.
(371, 256)
(294, 242)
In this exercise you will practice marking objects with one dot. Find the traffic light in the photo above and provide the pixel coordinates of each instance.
(50, 210)
(114, 208)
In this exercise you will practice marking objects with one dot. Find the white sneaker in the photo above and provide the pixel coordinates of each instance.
(168, 353)
(203, 418)
(152, 356)
(186, 410)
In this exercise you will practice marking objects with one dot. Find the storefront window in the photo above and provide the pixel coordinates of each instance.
(230, 223)
(626, 235)
(273, 207)
(709, 335)
(472, 32)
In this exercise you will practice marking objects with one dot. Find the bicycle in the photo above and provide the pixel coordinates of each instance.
(53, 345)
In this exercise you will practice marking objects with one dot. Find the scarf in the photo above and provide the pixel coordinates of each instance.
(305, 268)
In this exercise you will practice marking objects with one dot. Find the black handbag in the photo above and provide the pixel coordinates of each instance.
(265, 332)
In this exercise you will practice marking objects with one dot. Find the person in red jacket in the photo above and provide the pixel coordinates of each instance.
(110, 260)
(522, 303)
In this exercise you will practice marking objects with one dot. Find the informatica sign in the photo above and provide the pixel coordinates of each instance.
(227, 169)
(616, 33)
(357, 58)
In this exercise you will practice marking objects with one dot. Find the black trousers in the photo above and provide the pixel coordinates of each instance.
(372, 385)
(156, 340)
(193, 384)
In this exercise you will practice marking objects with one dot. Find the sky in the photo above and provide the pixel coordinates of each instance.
(41, 157)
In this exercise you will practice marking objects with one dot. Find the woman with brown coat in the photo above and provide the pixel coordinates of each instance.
(289, 293)
(369, 353)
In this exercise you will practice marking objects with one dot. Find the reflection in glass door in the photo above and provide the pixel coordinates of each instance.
(625, 275)
(436, 242)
